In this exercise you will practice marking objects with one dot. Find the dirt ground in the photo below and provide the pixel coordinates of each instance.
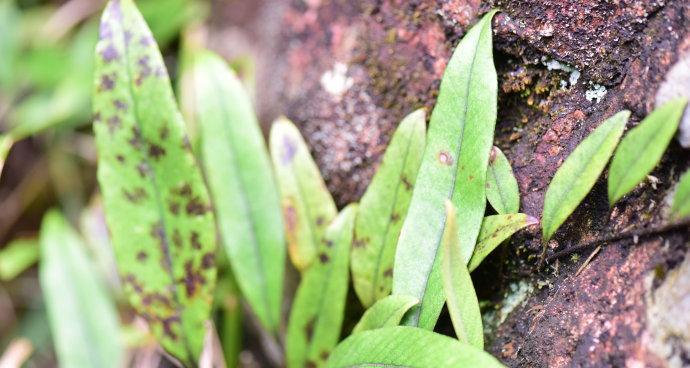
(347, 71)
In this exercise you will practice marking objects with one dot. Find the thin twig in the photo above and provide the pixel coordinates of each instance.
(641, 233)
(589, 259)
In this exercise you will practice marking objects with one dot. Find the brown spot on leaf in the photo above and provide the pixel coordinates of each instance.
(156, 151)
(388, 272)
(360, 243)
(289, 150)
(120, 159)
(145, 41)
(310, 364)
(185, 190)
(208, 260)
(406, 182)
(194, 240)
(192, 279)
(135, 141)
(177, 239)
(320, 221)
(174, 207)
(167, 324)
(107, 83)
(195, 207)
(290, 215)
(142, 256)
(309, 328)
(158, 232)
(395, 217)
(164, 132)
(122, 106)
(323, 257)
(327, 242)
(114, 123)
(132, 281)
(109, 53)
(324, 355)
(136, 195)
(470, 178)
(445, 158)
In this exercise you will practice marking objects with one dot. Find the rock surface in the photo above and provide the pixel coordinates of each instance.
(346, 72)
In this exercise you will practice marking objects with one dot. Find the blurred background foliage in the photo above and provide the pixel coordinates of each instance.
(48, 160)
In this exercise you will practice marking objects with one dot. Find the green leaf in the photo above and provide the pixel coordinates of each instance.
(229, 309)
(157, 207)
(242, 186)
(17, 256)
(307, 205)
(167, 17)
(83, 319)
(457, 286)
(495, 230)
(680, 208)
(407, 347)
(501, 186)
(454, 167)
(382, 211)
(9, 44)
(6, 142)
(317, 312)
(641, 149)
(580, 171)
(386, 312)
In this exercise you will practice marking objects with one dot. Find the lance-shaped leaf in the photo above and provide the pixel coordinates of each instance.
(641, 149)
(17, 256)
(157, 207)
(680, 208)
(317, 312)
(382, 211)
(454, 167)
(80, 311)
(496, 229)
(404, 346)
(501, 186)
(579, 172)
(241, 183)
(457, 286)
(386, 312)
(308, 207)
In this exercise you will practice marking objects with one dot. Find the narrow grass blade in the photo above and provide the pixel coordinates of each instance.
(495, 230)
(454, 167)
(83, 319)
(382, 211)
(404, 346)
(157, 207)
(244, 193)
(501, 186)
(457, 286)
(308, 207)
(580, 171)
(317, 312)
(641, 149)
(17, 256)
(386, 312)
(680, 208)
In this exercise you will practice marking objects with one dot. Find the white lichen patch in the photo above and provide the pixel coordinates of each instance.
(336, 81)
(668, 318)
(513, 298)
(597, 92)
(557, 65)
(677, 84)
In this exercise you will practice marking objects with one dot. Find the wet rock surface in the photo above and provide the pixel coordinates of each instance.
(346, 72)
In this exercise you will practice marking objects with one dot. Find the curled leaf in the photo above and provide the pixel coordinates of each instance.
(382, 211)
(80, 311)
(501, 186)
(576, 177)
(495, 230)
(156, 204)
(457, 286)
(386, 312)
(641, 149)
(317, 312)
(680, 208)
(404, 346)
(454, 167)
(241, 183)
(308, 207)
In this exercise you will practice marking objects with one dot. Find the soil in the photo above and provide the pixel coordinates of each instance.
(346, 72)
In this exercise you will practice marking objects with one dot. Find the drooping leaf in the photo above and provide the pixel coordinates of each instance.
(317, 312)
(229, 308)
(501, 186)
(80, 311)
(157, 207)
(454, 167)
(680, 208)
(386, 312)
(580, 171)
(495, 230)
(457, 286)
(404, 346)
(382, 211)
(641, 149)
(17, 256)
(308, 207)
(242, 186)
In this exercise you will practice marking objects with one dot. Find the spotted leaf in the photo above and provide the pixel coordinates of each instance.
(382, 211)
(495, 229)
(241, 183)
(501, 186)
(579, 172)
(404, 346)
(318, 309)
(157, 207)
(307, 205)
(454, 167)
